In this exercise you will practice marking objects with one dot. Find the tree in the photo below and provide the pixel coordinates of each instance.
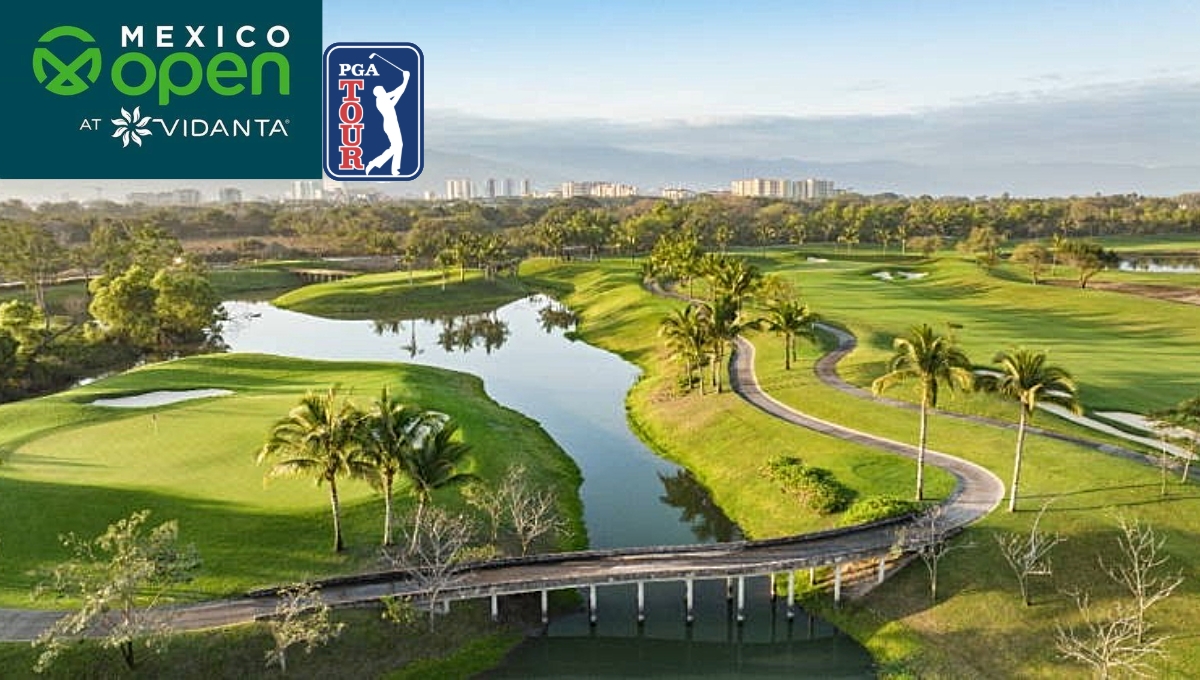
(1182, 422)
(301, 617)
(1140, 570)
(929, 537)
(1120, 639)
(433, 463)
(1028, 555)
(1108, 643)
(519, 508)
(790, 319)
(162, 310)
(723, 326)
(119, 576)
(1088, 259)
(686, 334)
(1034, 256)
(931, 360)
(31, 256)
(433, 557)
(1026, 378)
(730, 277)
(319, 438)
(389, 433)
(984, 244)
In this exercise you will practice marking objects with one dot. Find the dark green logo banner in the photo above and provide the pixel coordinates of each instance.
(215, 90)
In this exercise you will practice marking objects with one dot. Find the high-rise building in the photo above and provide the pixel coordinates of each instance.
(306, 190)
(489, 190)
(598, 189)
(526, 188)
(229, 195)
(458, 189)
(813, 189)
(509, 187)
(764, 187)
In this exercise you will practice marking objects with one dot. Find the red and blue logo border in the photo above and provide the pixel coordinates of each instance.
(326, 123)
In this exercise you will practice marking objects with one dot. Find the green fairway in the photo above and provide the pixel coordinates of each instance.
(1127, 352)
(73, 467)
(722, 439)
(393, 296)
(979, 628)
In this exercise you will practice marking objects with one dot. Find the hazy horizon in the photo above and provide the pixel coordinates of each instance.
(915, 97)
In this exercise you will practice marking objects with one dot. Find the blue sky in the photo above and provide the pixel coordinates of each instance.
(698, 61)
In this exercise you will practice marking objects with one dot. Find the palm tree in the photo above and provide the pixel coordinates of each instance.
(1185, 416)
(1025, 377)
(686, 335)
(319, 438)
(731, 277)
(389, 431)
(433, 462)
(931, 360)
(790, 319)
(722, 327)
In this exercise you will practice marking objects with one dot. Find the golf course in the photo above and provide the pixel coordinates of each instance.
(194, 461)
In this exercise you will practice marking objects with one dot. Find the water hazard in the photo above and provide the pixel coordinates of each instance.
(631, 497)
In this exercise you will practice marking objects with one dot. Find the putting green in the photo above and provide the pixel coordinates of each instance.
(73, 467)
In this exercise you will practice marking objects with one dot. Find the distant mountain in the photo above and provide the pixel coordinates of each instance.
(1135, 138)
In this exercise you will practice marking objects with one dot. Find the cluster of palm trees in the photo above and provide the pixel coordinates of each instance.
(932, 360)
(699, 334)
(328, 437)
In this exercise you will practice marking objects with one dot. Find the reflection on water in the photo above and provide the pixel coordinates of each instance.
(557, 316)
(708, 522)
(631, 497)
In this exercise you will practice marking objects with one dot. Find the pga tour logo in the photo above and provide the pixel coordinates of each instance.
(373, 111)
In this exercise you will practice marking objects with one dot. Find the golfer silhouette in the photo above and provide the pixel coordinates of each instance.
(386, 103)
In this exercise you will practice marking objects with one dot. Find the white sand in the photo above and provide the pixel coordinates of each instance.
(159, 398)
(817, 259)
(891, 276)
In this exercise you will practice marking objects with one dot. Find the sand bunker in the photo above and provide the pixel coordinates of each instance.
(892, 276)
(159, 398)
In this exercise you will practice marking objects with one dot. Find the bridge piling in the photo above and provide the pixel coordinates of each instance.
(495, 608)
(882, 569)
(592, 605)
(689, 601)
(837, 582)
(741, 599)
(791, 595)
(641, 602)
(729, 589)
(545, 608)
(771, 588)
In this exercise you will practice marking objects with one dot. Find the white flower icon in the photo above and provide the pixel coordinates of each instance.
(131, 126)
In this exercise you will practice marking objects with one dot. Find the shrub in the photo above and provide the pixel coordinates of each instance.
(817, 489)
(875, 508)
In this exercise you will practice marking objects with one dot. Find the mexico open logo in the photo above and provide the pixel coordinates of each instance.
(373, 111)
(212, 90)
(68, 77)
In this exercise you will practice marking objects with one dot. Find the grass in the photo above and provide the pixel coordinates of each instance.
(1129, 353)
(72, 467)
(461, 645)
(392, 296)
(979, 628)
(724, 441)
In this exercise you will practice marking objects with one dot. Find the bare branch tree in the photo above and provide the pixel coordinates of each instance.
(433, 561)
(1109, 643)
(301, 617)
(1029, 555)
(515, 506)
(929, 537)
(119, 576)
(1141, 571)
